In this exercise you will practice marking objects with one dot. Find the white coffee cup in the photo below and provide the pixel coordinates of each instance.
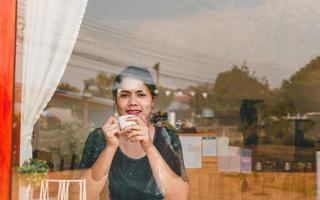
(123, 121)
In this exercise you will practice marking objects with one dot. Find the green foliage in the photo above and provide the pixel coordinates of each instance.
(32, 172)
(302, 89)
(69, 136)
(73, 135)
(34, 166)
(232, 86)
(100, 86)
(279, 132)
(67, 87)
(248, 111)
(275, 104)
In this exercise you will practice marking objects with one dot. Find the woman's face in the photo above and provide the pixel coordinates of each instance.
(134, 98)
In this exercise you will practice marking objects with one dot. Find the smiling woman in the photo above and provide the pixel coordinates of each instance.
(140, 161)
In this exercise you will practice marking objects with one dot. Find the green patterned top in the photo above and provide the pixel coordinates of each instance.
(132, 178)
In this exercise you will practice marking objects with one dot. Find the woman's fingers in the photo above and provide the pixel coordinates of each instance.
(144, 140)
(138, 138)
(111, 131)
(138, 120)
(141, 132)
(110, 120)
(131, 128)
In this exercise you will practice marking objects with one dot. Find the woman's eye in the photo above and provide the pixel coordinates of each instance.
(124, 95)
(141, 95)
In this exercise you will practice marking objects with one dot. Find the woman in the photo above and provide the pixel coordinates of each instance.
(140, 161)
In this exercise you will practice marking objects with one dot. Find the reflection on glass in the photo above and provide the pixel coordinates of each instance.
(251, 83)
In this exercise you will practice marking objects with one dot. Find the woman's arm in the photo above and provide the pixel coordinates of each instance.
(94, 187)
(101, 167)
(111, 131)
(170, 184)
(97, 174)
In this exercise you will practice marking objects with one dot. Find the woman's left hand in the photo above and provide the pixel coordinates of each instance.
(139, 132)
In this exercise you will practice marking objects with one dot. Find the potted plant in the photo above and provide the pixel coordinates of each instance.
(32, 172)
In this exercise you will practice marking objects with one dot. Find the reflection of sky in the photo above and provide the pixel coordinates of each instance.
(154, 9)
(137, 9)
(194, 40)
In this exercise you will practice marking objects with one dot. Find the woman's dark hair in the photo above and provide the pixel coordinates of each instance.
(135, 72)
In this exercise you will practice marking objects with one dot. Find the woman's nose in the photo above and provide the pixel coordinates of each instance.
(133, 100)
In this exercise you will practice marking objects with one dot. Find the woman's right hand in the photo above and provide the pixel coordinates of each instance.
(111, 132)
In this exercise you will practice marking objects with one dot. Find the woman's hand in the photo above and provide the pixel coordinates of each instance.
(139, 132)
(111, 132)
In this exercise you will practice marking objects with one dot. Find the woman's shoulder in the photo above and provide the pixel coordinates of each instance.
(92, 148)
(96, 133)
(169, 130)
(95, 137)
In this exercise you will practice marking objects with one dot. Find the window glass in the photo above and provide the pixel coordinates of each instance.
(238, 81)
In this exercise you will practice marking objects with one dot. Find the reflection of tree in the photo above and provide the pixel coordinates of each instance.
(63, 139)
(299, 94)
(74, 135)
(67, 87)
(302, 89)
(100, 86)
(232, 86)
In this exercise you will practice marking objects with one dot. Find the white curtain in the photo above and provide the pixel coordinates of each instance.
(50, 32)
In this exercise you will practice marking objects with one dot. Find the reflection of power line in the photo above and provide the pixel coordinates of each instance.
(113, 62)
(137, 53)
(143, 38)
(182, 62)
(155, 58)
(142, 41)
(103, 70)
(152, 52)
(147, 53)
(171, 48)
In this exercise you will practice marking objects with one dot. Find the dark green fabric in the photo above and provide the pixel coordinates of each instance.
(132, 178)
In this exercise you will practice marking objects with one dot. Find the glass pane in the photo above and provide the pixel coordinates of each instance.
(236, 80)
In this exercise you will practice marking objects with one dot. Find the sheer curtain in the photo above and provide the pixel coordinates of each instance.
(51, 29)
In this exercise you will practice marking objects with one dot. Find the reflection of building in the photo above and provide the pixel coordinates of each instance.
(60, 133)
(98, 108)
(180, 102)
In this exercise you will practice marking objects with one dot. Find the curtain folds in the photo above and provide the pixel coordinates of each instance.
(50, 32)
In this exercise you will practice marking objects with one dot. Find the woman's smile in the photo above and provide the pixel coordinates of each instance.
(133, 112)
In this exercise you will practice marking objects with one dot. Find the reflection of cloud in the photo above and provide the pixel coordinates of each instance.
(275, 38)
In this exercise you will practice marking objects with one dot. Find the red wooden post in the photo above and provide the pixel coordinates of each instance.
(7, 57)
